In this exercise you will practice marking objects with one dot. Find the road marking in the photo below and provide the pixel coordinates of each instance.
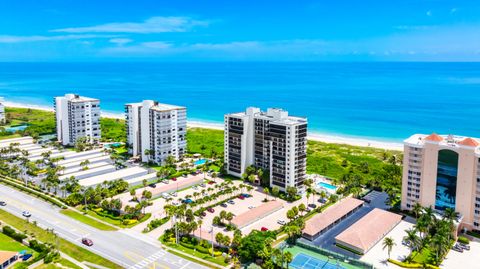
(149, 260)
(188, 263)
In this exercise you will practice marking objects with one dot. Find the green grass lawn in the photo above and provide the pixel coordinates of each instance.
(9, 244)
(63, 262)
(217, 260)
(204, 141)
(424, 256)
(9, 136)
(89, 221)
(65, 246)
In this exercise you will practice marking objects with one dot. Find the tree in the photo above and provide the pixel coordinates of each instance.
(291, 191)
(302, 208)
(388, 243)
(275, 192)
(266, 191)
(287, 257)
(252, 244)
(417, 209)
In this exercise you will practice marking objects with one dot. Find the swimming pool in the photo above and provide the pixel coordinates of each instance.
(326, 186)
(304, 261)
(113, 145)
(16, 128)
(200, 162)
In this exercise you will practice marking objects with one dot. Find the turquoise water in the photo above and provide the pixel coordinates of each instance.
(383, 101)
(113, 145)
(16, 128)
(326, 185)
(200, 162)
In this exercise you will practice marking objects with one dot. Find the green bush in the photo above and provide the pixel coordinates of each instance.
(463, 240)
(10, 232)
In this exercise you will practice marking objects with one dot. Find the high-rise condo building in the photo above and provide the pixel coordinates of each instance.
(76, 117)
(443, 171)
(2, 111)
(272, 140)
(156, 131)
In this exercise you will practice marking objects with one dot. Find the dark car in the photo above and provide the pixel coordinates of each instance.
(312, 205)
(87, 242)
(241, 197)
(174, 178)
(153, 185)
(211, 210)
(2, 203)
(264, 229)
(223, 205)
(231, 202)
(203, 214)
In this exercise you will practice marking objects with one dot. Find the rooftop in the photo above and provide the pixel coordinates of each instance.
(256, 213)
(77, 98)
(444, 140)
(275, 115)
(156, 105)
(332, 214)
(366, 232)
(6, 255)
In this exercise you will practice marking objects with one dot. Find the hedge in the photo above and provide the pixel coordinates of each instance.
(463, 240)
(10, 232)
(412, 265)
(34, 192)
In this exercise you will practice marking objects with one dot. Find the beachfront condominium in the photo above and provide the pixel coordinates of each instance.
(2, 111)
(76, 117)
(272, 141)
(443, 171)
(156, 131)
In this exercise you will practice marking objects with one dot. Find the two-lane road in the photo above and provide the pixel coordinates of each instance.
(128, 249)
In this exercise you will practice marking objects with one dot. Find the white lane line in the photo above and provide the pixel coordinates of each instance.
(188, 263)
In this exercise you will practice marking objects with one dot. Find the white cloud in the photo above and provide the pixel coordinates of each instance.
(151, 25)
(39, 38)
(120, 41)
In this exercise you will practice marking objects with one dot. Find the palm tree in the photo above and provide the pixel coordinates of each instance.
(287, 257)
(388, 243)
(412, 239)
(266, 191)
(417, 209)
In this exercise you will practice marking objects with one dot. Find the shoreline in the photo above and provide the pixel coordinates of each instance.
(321, 137)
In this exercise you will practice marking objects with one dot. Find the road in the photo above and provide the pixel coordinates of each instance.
(129, 249)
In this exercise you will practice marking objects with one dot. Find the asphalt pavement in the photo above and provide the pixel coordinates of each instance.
(130, 249)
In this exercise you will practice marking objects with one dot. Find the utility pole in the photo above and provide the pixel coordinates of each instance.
(212, 240)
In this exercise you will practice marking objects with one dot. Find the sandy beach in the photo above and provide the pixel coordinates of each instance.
(217, 126)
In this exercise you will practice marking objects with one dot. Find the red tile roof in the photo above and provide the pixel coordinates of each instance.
(256, 213)
(6, 255)
(370, 229)
(335, 212)
(469, 142)
(434, 137)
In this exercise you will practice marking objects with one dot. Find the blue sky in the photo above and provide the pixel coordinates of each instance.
(206, 30)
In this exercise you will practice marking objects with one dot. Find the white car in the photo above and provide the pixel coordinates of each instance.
(26, 214)
(281, 222)
(251, 207)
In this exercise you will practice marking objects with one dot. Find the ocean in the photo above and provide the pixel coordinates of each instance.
(376, 100)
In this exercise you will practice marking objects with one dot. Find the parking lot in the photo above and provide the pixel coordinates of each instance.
(327, 239)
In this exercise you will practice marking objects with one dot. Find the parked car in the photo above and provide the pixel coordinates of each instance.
(211, 182)
(457, 248)
(463, 246)
(241, 197)
(223, 205)
(203, 185)
(312, 205)
(195, 187)
(281, 222)
(26, 214)
(153, 185)
(251, 207)
(175, 203)
(2, 203)
(87, 242)
(174, 194)
(264, 229)
(211, 210)
(231, 202)
(203, 214)
(174, 178)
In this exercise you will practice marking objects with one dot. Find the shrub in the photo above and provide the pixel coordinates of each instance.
(129, 221)
(9, 231)
(463, 240)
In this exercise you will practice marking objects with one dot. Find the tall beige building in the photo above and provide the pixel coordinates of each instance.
(443, 172)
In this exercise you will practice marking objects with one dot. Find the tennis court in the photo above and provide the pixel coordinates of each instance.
(303, 261)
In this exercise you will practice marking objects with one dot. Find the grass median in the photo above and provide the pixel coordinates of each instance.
(65, 246)
(87, 220)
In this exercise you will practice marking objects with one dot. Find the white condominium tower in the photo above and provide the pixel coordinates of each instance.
(443, 171)
(156, 131)
(76, 117)
(2, 111)
(272, 140)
